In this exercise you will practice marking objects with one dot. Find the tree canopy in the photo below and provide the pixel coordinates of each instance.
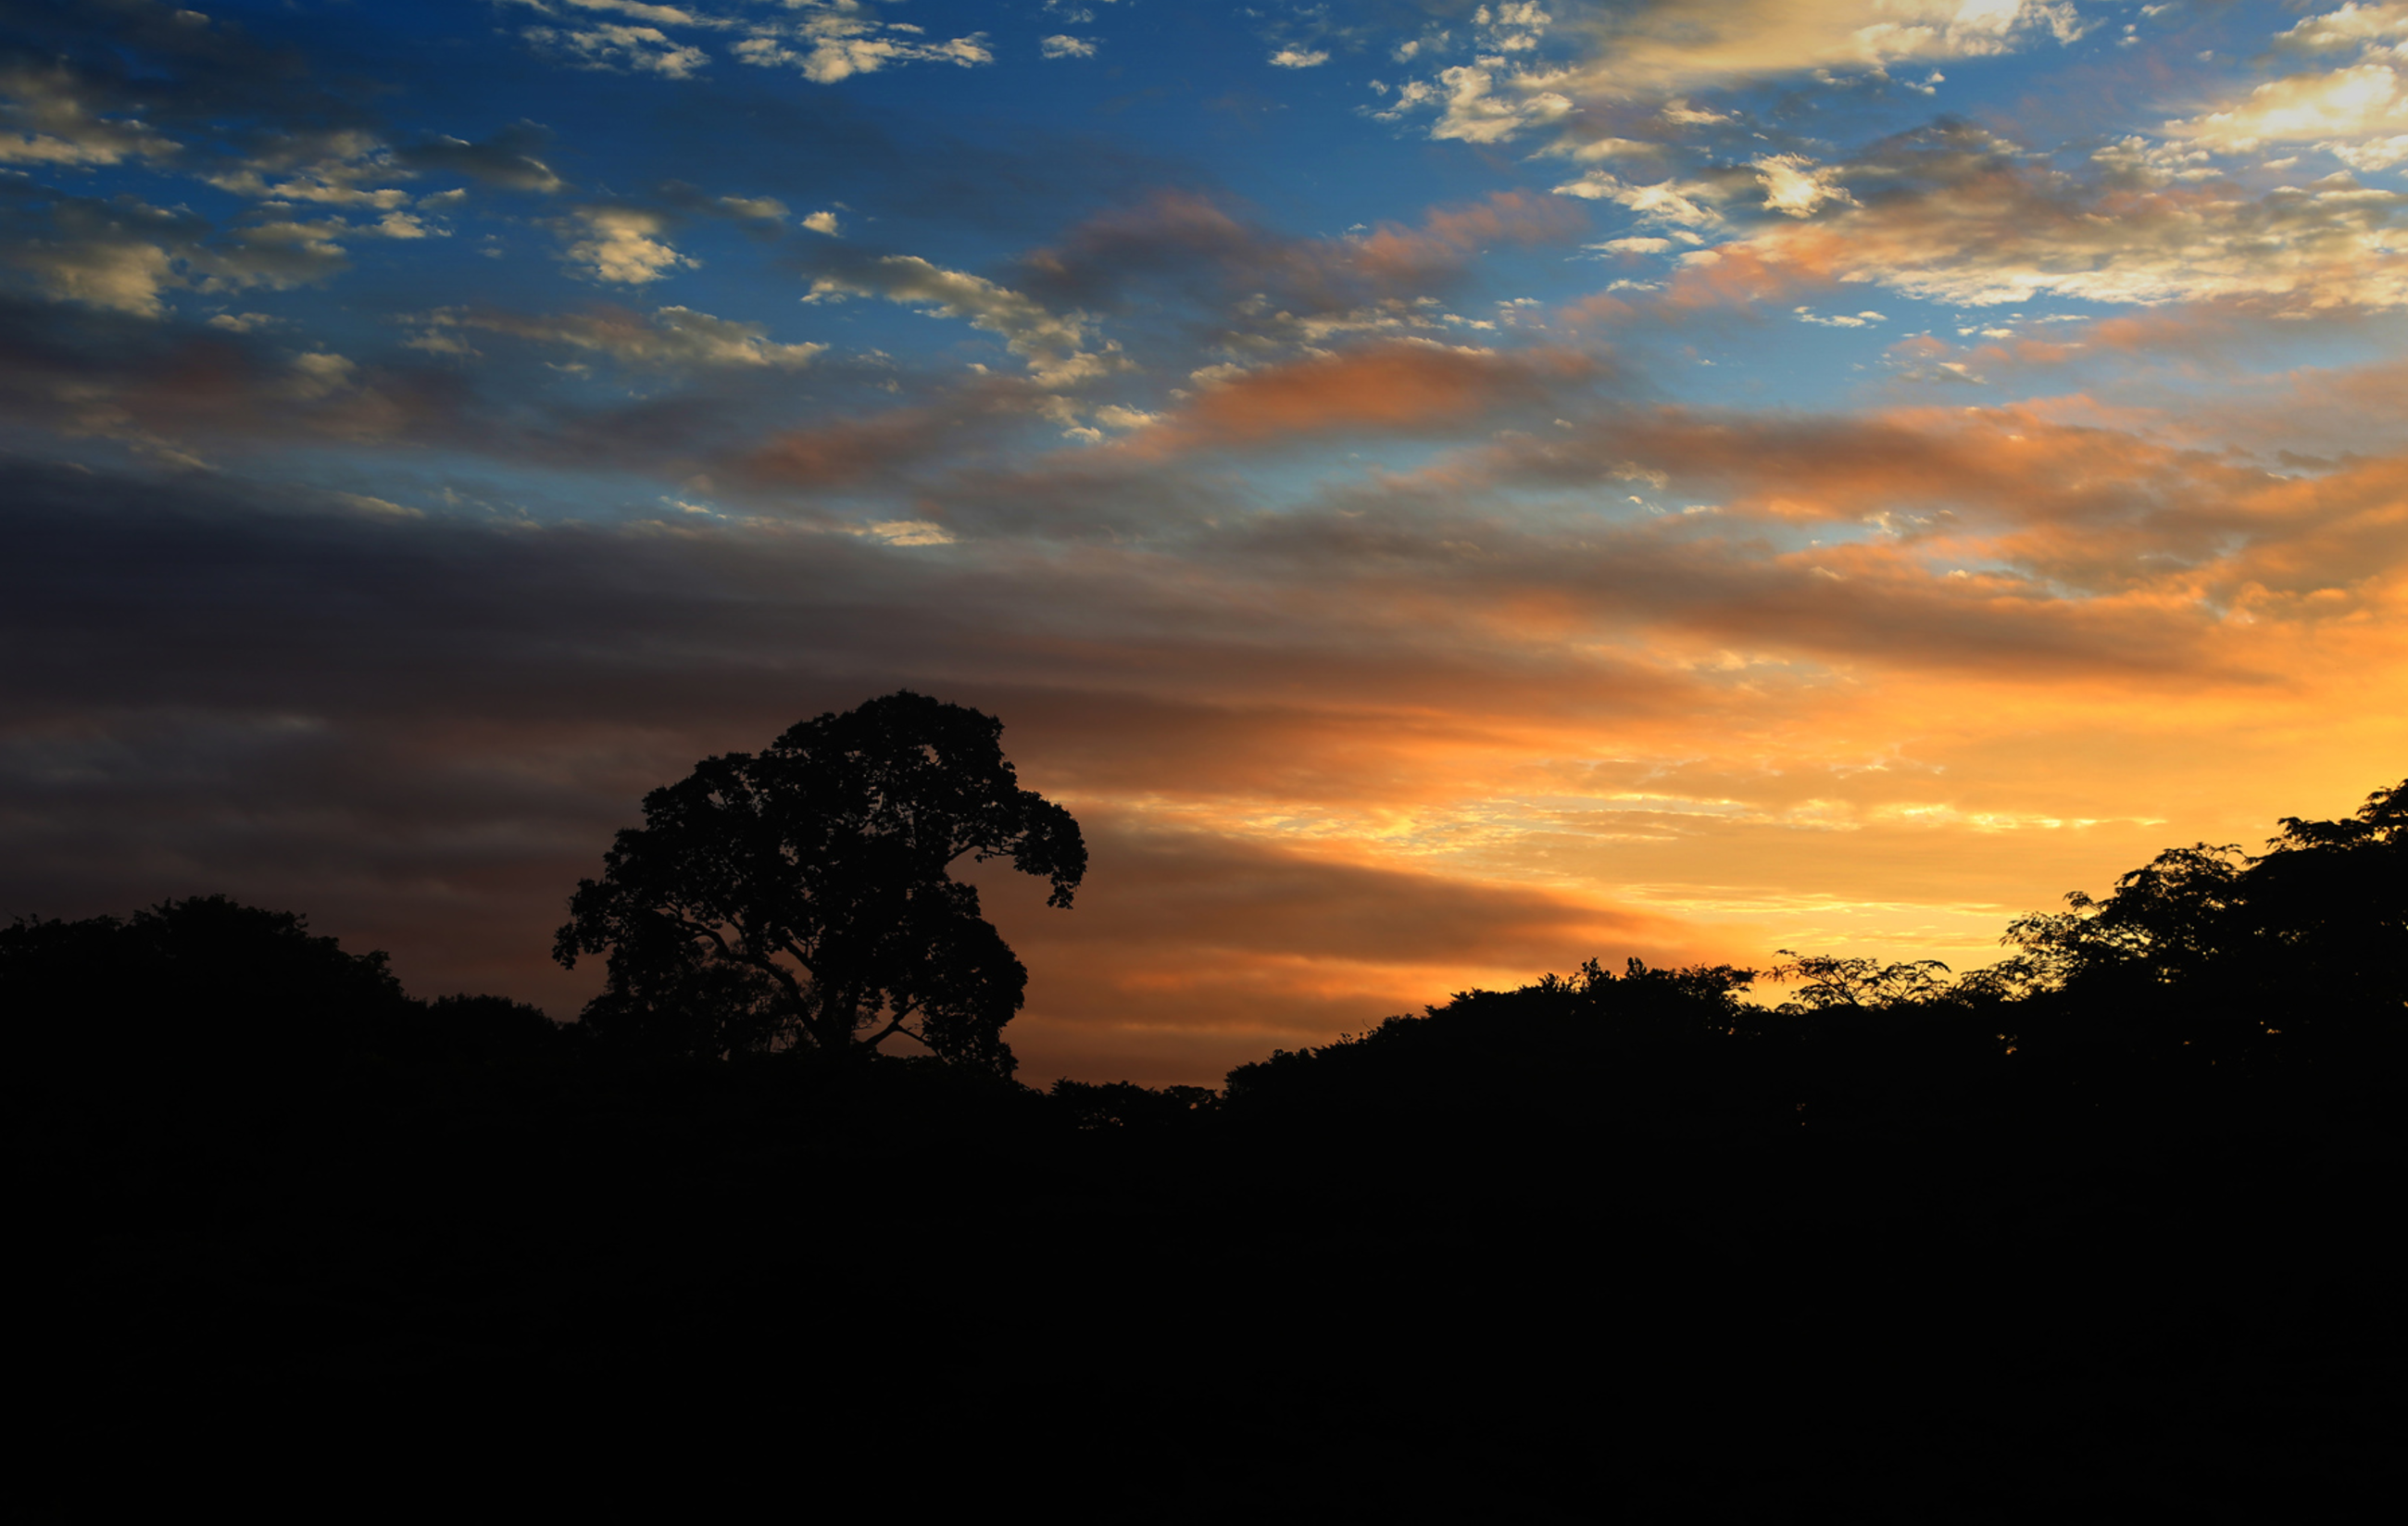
(802, 896)
(2314, 929)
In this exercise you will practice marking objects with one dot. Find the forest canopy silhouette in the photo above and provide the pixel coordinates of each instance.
(258, 1166)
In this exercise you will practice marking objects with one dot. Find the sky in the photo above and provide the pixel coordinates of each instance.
(1441, 491)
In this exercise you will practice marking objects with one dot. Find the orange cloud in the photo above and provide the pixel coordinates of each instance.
(1406, 257)
(1385, 388)
(845, 451)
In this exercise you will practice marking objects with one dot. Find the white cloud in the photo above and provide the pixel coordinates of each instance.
(1680, 203)
(1298, 58)
(837, 39)
(1472, 107)
(642, 49)
(2351, 26)
(823, 221)
(2373, 154)
(2358, 102)
(1066, 46)
(2157, 164)
(621, 244)
(1795, 185)
(1496, 97)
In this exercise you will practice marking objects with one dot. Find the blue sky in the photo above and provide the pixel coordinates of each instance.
(1441, 489)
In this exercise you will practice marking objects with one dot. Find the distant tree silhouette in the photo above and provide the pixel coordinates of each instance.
(1828, 983)
(1550, 1050)
(800, 895)
(1126, 1105)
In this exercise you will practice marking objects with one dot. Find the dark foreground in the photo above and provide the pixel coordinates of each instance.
(1578, 1296)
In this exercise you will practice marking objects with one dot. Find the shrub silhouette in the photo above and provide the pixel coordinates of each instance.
(208, 984)
(205, 981)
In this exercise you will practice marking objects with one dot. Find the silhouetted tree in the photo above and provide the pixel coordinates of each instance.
(800, 895)
(2326, 912)
(2232, 947)
(2161, 926)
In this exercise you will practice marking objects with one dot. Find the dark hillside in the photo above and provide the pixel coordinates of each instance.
(2102, 1232)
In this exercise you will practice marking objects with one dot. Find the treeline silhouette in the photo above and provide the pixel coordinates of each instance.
(2099, 1231)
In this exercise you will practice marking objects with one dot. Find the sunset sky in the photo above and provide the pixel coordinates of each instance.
(1441, 491)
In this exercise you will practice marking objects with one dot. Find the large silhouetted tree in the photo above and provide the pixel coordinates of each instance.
(801, 895)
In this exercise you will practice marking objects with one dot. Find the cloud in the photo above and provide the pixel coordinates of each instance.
(823, 221)
(329, 169)
(623, 245)
(124, 255)
(837, 39)
(840, 454)
(907, 533)
(1679, 204)
(1966, 222)
(45, 119)
(1051, 344)
(2354, 25)
(759, 209)
(1667, 46)
(1066, 46)
(1298, 58)
(2347, 103)
(634, 9)
(1387, 387)
(672, 338)
(1795, 185)
(1532, 70)
(507, 159)
(643, 50)
(1276, 288)
(1480, 103)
